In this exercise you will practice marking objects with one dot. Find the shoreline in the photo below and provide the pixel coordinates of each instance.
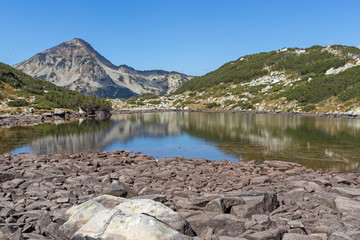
(326, 115)
(274, 197)
(7, 120)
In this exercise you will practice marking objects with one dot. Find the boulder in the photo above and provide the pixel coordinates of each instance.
(271, 234)
(229, 224)
(256, 202)
(124, 219)
(347, 191)
(223, 205)
(79, 216)
(349, 212)
(297, 236)
(158, 210)
(119, 189)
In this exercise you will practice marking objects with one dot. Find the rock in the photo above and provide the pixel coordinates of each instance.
(6, 212)
(137, 227)
(349, 212)
(341, 180)
(17, 235)
(109, 201)
(81, 111)
(62, 200)
(295, 196)
(296, 236)
(260, 218)
(223, 205)
(231, 225)
(272, 234)
(156, 197)
(130, 219)
(347, 191)
(322, 236)
(119, 189)
(256, 202)
(158, 210)
(340, 236)
(5, 176)
(260, 180)
(97, 225)
(80, 215)
(58, 111)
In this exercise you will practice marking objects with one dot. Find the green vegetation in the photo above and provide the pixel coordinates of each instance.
(212, 105)
(148, 96)
(343, 85)
(47, 94)
(315, 62)
(309, 107)
(18, 103)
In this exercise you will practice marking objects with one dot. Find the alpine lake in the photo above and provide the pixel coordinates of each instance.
(315, 142)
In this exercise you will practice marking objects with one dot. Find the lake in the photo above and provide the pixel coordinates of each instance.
(326, 143)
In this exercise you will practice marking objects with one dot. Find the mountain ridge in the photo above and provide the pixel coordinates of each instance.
(76, 65)
(316, 79)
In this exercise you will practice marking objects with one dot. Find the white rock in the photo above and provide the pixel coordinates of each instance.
(81, 111)
(137, 227)
(59, 111)
(119, 218)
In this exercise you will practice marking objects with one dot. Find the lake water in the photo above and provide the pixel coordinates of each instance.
(327, 143)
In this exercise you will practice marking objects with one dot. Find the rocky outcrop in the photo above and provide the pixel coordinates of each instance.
(77, 66)
(60, 196)
(126, 219)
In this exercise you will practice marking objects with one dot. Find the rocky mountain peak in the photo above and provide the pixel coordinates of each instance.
(76, 65)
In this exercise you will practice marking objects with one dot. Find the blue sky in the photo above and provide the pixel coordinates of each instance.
(189, 36)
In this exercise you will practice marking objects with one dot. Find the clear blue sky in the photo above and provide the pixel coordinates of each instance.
(189, 36)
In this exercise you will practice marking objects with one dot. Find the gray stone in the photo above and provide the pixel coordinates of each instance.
(137, 227)
(350, 192)
(256, 202)
(272, 234)
(260, 180)
(119, 189)
(340, 236)
(230, 224)
(223, 205)
(129, 219)
(80, 215)
(158, 210)
(296, 236)
(349, 212)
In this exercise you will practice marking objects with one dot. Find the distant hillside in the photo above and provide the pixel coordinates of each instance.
(315, 79)
(76, 65)
(18, 89)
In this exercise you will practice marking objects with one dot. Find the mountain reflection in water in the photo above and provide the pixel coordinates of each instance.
(327, 143)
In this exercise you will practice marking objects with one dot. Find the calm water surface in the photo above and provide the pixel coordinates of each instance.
(327, 143)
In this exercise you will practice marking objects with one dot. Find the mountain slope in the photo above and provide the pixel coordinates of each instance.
(315, 79)
(77, 66)
(18, 89)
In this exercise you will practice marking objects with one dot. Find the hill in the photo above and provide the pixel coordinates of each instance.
(18, 90)
(315, 79)
(76, 65)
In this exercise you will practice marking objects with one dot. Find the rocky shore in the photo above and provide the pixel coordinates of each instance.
(191, 198)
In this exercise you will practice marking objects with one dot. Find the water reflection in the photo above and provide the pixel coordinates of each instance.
(315, 142)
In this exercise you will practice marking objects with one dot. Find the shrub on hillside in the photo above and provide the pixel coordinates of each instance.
(17, 103)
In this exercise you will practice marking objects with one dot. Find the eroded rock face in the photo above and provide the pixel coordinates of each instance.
(77, 66)
(127, 219)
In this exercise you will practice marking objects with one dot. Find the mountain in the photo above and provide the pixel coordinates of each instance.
(77, 66)
(315, 79)
(18, 89)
